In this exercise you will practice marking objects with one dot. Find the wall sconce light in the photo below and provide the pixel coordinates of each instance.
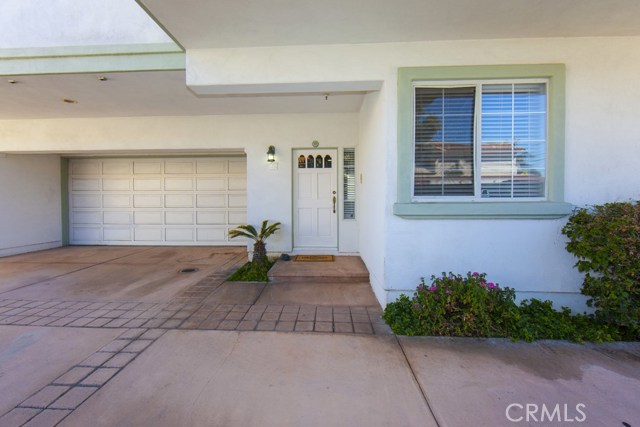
(271, 154)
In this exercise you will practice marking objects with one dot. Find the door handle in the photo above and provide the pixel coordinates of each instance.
(334, 204)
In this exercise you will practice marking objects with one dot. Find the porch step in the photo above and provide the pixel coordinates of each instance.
(344, 269)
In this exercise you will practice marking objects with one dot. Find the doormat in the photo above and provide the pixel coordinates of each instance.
(314, 258)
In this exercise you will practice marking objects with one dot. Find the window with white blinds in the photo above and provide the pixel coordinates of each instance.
(349, 182)
(477, 140)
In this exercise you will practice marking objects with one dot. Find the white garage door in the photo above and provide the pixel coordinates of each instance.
(173, 201)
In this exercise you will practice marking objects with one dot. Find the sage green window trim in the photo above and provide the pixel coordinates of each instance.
(92, 59)
(553, 207)
(64, 199)
(483, 210)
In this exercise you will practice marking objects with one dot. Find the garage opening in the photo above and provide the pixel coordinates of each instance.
(157, 201)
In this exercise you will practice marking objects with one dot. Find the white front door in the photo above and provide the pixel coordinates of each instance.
(315, 199)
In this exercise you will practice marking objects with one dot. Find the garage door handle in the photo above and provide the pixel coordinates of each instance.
(334, 204)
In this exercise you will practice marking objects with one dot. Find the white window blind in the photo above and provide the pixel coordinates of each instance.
(480, 140)
(349, 182)
(513, 140)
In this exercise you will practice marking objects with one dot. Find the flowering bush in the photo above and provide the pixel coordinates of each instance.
(471, 306)
(455, 305)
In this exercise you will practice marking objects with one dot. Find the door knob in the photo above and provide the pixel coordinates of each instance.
(334, 204)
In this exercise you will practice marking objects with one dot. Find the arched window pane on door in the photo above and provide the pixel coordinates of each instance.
(302, 162)
(310, 162)
(319, 161)
(327, 162)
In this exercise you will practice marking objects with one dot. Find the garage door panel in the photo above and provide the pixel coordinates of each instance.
(179, 235)
(86, 234)
(178, 167)
(211, 184)
(179, 218)
(85, 167)
(237, 200)
(116, 184)
(211, 166)
(116, 168)
(237, 217)
(212, 234)
(117, 218)
(147, 218)
(148, 234)
(147, 184)
(238, 166)
(85, 201)
(212, 218)
(117, 234)
(147, 201)
(178, 184)
(237, 183)
(178, 201)
(87, 217)
(116, 201)
(85, 184)
(174, 201)
(147, 167)
(211, 201)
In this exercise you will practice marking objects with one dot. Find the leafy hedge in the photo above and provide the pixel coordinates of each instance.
(471, 306)
(606, 241)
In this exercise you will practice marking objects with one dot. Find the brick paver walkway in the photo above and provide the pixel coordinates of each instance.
(146, 322)
(189, 311)
(242, 317)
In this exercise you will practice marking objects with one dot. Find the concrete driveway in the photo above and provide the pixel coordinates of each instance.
(118, 337)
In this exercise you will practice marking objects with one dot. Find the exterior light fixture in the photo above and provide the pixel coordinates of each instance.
(271, 154)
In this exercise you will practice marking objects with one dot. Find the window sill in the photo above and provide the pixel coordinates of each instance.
(483, 210)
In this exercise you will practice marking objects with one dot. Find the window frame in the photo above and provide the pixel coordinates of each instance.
(477, 140)
(550, 207)
(345, 178)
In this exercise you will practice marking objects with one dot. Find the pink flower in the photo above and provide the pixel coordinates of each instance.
(475, 274)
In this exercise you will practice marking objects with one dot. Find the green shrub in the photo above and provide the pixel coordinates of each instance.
(252, 272)
(606, 241)
(473, 307)
(539, 320)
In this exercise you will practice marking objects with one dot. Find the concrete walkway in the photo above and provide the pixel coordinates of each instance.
(146, 353)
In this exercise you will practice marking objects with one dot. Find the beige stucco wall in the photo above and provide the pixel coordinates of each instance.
(29, 203)
(269, 190)
(602, 148)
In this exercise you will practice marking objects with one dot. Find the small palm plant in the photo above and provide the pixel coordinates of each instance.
(259, 247)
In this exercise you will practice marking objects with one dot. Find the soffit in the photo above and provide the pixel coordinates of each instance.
(199, 24)
(157, 93)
